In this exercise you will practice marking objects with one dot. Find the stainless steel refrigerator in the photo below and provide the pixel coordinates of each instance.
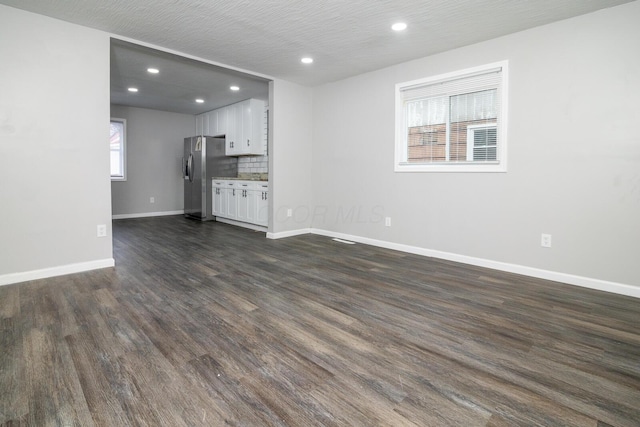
(204, 158)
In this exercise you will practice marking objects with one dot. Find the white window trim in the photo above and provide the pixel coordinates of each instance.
(124, 151)
(400, 158)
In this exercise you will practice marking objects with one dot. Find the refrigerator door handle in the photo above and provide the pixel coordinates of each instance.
(190, 167)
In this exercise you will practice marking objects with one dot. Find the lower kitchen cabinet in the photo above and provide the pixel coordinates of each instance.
(262, 204)
(243, 201)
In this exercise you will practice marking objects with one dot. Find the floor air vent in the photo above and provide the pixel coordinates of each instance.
(335, 239)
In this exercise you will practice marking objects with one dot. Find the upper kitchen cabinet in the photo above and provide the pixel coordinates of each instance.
(243, 124)
(200, 125)
(246, 128)
(212, 120)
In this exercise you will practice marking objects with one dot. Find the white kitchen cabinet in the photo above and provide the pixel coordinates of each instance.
(244, 201)
(244, 194)
(224, 199)
(243, 125)
(211, 123)
(231, 131)
(262, 204)
(219, 199)
(199, 123)
(205, 124)
(246, 128)
(232, 200)
(218, 122)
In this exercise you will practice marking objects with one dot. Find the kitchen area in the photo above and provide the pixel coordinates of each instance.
(196, 139)
(226, 174)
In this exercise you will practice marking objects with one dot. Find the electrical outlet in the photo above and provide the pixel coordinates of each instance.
(102, 230)
(387, 221)
(289, 213)
(152, 199)
(545, 240)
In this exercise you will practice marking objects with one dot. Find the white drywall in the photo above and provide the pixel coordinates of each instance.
(290, 133)
(54, 132)
(573, 167)
(154, 159)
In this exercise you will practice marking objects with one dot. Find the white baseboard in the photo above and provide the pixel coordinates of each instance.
(283, 234)
(146, 214)
(8, 279)
(585, 282)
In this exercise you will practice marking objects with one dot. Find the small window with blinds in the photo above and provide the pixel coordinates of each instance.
(118, 149)
(454, 122)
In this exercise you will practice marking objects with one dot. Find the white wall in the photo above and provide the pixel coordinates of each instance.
(54, 130)
(290, 134)
(154, 161)
(573, 167)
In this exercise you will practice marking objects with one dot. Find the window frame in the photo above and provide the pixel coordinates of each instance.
(122, 151)
(401, 144)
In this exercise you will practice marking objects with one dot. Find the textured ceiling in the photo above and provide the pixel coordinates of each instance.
(268, 37)
(346, 37)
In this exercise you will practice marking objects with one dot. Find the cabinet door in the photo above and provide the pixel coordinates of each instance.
(243, 202)
(205, 124)
(236, 112)
(254, 129)
(220, 121)
(211, 123)
(199, 123)
(219, 207)
(244, 126)
(232, 203)
(262, 205)
(252, 206)
(231, 131)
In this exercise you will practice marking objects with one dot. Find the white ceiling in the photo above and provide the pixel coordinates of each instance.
(179, 82)
(345, 37)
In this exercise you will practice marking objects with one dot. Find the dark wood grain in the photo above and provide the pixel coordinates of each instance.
(206, 324)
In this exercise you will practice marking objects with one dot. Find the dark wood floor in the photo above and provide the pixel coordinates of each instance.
(206, 324)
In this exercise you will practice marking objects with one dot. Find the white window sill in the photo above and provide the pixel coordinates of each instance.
(442, 167)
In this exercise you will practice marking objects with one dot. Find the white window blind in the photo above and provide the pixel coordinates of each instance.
(457, 85)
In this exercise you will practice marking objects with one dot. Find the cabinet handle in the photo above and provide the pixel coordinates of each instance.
(248, 142)
(234, 192)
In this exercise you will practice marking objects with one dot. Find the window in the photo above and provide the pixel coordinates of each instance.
(482, 142)
(454, 122)
(117, 144)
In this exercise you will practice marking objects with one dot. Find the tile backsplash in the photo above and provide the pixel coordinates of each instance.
(253, 164)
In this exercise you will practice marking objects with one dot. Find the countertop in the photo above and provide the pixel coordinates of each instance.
(246, 177)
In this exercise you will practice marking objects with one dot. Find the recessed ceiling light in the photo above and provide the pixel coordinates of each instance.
(399, 26)
(132, 89)
(153, 70)
(306, 60)
(234, 88)
(200, 100)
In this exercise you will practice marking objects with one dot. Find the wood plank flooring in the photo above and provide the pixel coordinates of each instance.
(206, 324)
